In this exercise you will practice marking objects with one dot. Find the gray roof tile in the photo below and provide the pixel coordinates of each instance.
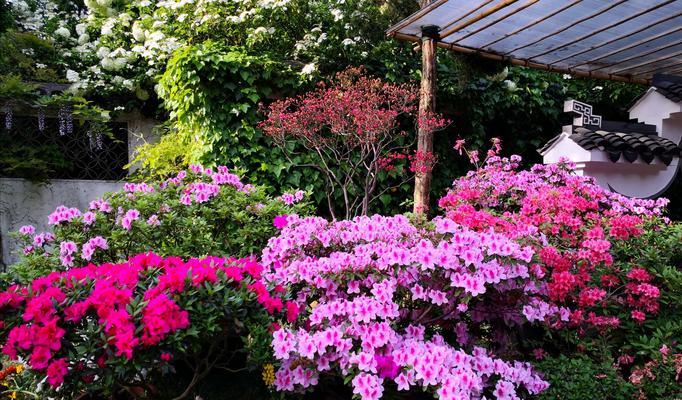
(669, 86)
(630, 145)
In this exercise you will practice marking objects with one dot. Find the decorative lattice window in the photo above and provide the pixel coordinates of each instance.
(57, 146)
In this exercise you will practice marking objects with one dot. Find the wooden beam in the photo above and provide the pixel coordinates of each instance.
(523, 28)
(415, 16)
(526, 63)
(627, 35)
(602, 29)
(497, 7)
(499, 19)
(568, 26)
(675, 71)
(427, 105)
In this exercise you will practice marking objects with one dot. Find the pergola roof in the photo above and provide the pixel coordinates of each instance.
(626, 40)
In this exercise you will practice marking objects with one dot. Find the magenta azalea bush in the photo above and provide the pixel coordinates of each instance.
(198, 212)
(392, 305)
(575, 225)
(612, 261)
(108, 328)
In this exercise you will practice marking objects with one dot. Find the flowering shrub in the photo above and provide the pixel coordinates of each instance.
(575, 224)
(611, 260)
(660, 378)
(392, 305)
(350, 128)
(115, 326)
(195, 213)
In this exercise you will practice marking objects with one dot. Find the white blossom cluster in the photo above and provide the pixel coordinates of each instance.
(124, 46)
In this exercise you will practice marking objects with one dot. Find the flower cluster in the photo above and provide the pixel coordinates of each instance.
(376, 296)
(292, 198)
(573, 225)
(422, 162)
(63, 214)
(386, 162)
(119, 311)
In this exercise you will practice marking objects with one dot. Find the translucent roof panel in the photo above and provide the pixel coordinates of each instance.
(626, 40)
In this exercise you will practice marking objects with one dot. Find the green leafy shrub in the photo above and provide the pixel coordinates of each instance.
(212, 92)
(580, 377)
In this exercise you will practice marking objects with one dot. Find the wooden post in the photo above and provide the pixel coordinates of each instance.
(427, 104)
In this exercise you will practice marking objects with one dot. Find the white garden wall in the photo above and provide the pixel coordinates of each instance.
(26, 203)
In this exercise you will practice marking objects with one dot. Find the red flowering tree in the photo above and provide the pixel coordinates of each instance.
(349, 129)
(126, 327)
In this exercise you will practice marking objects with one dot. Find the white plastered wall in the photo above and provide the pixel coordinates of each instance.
(636, 179)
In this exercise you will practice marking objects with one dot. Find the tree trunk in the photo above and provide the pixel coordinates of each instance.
(427, 104)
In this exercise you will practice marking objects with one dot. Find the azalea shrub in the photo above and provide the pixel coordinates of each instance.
(393, 305)
(113, 328)
(576, 224)
(612, 261)
(198, 212)
(659, 378)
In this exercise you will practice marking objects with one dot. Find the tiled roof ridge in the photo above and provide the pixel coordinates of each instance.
(629, 145)
(669, 86)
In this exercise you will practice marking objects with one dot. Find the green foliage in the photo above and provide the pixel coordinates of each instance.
(6, 18)
(579, 377)
(33, 162)
(13, 88)
(29, 56)
(213, 92)
(521, 106)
